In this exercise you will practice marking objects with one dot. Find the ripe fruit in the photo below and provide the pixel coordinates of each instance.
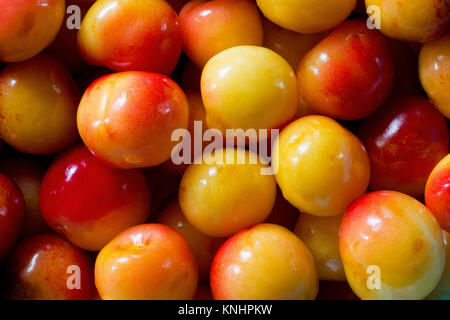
(146, 262)
(127, 119)
(220, 197)
(204, 247)
(349, 74)
(434, 72)
(437, 193)
(12, 215)
(404, 140)
(264, 262)
(210, 27)
(248, 87)
(38, 105)
(418, 21)
(442, 290)
(320, 235)
(306, 16)
(46, 267)
(90, 203)
(396, 235)
(152, 42)
(27, 27)
(322, 167)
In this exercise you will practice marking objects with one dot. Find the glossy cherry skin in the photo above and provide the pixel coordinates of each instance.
(434, 72)
(306, 16)
(27, 27)
(204, 247)
(40, 269)
(264, 262)
(12, 215)
(397, 235)
(442, 290)
(147, 262)
(349, 74)
(405, 140)
(320, 166)
(320, 235)
(437, 192)
(27, 174)
(210, 27)
(38, 105)
(90, 203)
(152, 42)
(127, 119)
(418, 21)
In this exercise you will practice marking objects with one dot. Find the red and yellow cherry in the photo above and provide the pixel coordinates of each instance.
(222, 196)
(434, 72)
(404, 140)
(12, 215)
(248, 87)
(283, 213)
(437, 193)
(27, 27)
(391, 246)
(349, 74)
(418, 21)
(90, 203)
(152, 42)
(320, 166)
(210, 27)
(147, 262)
(127, 119)
(320, 235)
(291, 45)
(204, 247)
(264, 262)
(442, 290)
(38, 105)
(27, 174)
(46, 267)
(306, 16)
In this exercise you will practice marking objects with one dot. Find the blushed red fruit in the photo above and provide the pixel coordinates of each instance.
(90, 203)
(264, 262)
(27, 174)
(437, 193)
(46, 267)
(127, 119)
(210, 27)
(125, 35)
(404, 140)
(147, 262)
(27, 27)
(12, 215)
(349, 74)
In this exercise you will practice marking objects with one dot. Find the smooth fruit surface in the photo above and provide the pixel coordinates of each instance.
(417, 21)
(151, 43)
(209, 27)
(221, 197)
(46, 267)
(405, 140)
(90, 203)
(349, 74)
(434, 72)
(305, 16)
(320, 235)
(264, 262)
(38, 105)
(437, 193)
(391, 240)
(322, 167)
(127, 119)
(27, 27)
(248, 87)
(146, 262)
